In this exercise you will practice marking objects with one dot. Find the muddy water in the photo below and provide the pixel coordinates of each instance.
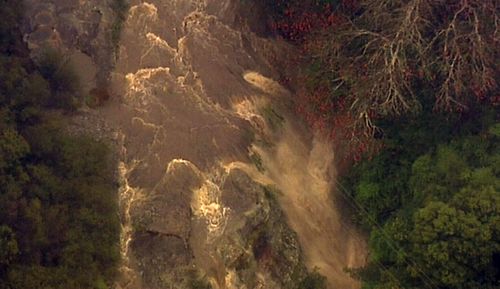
(303, 171)
(191, 84)
(305, 177)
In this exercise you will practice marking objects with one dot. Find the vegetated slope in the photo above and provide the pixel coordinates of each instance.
(419, 77)
(59, 224)
(431, 202)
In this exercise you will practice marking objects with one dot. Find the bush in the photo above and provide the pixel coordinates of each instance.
(313, 280)
(62, 78)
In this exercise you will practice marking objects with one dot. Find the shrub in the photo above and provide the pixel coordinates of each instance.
(313, 280)
(62, 77)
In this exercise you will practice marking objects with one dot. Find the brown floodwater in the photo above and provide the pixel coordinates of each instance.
(192, 83)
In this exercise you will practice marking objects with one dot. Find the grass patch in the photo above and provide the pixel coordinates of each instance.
(273, 118)
(257, 161)
(272, 193)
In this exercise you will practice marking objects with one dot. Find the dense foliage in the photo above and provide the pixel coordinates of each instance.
(431, 202)
(59, 225)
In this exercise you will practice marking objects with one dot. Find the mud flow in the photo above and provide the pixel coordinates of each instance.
(219, 182)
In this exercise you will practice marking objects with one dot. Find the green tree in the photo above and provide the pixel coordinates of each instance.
(443, 230)
(455, 243)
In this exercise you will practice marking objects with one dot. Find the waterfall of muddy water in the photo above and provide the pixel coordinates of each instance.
(305, 175)
(127, 197)
(191, 91)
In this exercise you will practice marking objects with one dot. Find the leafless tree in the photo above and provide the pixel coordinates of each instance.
(383, 55)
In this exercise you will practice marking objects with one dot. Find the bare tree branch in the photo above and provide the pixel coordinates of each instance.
(382, 53)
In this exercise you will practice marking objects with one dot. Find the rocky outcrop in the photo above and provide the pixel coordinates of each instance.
(262, 235)
(166, 210)
(257, 248)
(247, 246)
(80, 30)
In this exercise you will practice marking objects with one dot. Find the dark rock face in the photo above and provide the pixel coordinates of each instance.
(258, 241)
(166, 210)
(80, 30)
(163, 260)
(275, 247)
(241, 193)
(250, 242)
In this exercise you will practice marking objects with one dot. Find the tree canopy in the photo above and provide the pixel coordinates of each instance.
(432, 211)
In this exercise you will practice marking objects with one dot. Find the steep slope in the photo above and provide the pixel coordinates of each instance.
(194, 102)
